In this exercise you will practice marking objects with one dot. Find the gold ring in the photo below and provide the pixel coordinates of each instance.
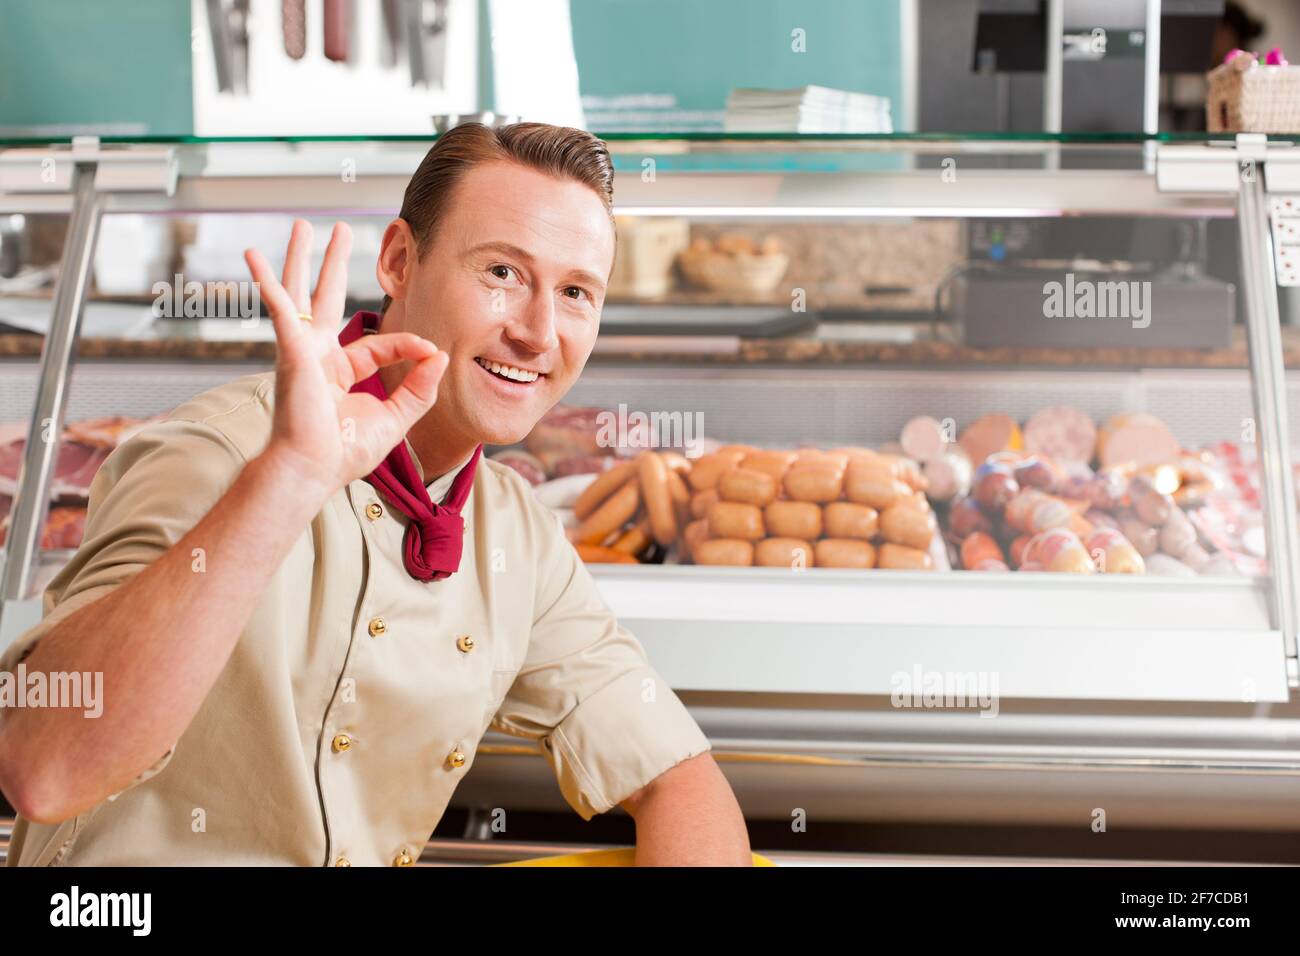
(304, 316)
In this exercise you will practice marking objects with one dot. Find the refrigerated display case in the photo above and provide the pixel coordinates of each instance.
(1168, 701)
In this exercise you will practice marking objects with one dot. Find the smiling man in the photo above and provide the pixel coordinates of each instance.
(310, 595)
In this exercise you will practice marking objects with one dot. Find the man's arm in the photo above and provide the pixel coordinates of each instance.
(160, 640)
(688, 816)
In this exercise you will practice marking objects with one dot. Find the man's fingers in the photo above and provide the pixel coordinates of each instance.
(297, 266)
(418, 391)
(284, 314)
(368, 353)
(332, 285)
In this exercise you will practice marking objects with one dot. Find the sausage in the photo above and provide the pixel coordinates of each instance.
(899, 557)
(903, 525)
(844, 553)
(845, 519)
(701, 501)
(1061, 550)
(1150, 504)
(908, 472)
(1140, 534)
(774, 463)
(816, 457)
(747, 486)
(617, 511)
(873, 484)
(635, 539)
(1113, 553)
(692, 535)
(1178, 536)
(681, 495)
(980, 547)
(606, 483)
(794, 519)
(783, 553)
(706, 471)
(594, 554)
(1031, 510)
(965, 516)
(993, 486)
(731, 519)
(653, 475)
(676, 462)
(724, 551)
(816, 483)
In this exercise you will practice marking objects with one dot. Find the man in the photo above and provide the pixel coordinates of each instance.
(308, 592)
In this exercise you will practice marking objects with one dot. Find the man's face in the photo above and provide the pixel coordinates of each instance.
(514, 279)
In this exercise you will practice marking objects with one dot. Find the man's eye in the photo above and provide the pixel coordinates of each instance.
(501, 272)
(574, 292)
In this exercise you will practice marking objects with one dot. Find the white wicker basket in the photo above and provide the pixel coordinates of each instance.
(1262, 99)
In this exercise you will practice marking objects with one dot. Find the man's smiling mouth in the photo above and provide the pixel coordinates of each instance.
(509, 372)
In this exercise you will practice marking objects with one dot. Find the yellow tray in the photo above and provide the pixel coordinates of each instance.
(620, 857)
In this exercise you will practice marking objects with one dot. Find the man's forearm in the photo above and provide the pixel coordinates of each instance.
(160, 641)
(688, 816)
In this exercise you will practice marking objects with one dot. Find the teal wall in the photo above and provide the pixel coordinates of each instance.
(700, 49)
(121, 64)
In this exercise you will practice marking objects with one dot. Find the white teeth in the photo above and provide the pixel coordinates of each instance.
(508, 371)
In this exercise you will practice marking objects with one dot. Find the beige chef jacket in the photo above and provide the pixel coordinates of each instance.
(354, 700)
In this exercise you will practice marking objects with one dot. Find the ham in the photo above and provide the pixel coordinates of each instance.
(1062, 434)
(65, 525)
(74, 468)
(990, 434)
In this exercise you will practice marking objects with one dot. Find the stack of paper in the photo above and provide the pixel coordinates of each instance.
(806, 109)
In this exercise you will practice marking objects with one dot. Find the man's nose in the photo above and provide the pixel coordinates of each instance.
(533, 326)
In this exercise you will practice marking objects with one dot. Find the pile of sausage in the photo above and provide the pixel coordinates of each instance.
(843, 508)
(1030, 510)
(632, 509)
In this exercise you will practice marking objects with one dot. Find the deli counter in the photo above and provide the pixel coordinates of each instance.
(912, 307)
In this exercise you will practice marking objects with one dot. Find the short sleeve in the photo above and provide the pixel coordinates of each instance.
(607, 722)
(149, 492)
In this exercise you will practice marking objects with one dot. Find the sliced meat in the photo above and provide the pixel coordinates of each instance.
(922, 438)
(73, 469)
(1061, 433)
(583, 465)
(108, 431)
(989, 434)
(1137, 439)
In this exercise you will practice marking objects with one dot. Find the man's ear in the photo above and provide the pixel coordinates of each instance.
(397, 255)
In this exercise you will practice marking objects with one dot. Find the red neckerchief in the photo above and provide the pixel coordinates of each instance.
(431, 547)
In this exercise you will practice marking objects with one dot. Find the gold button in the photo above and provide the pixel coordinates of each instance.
(403, 858)
(377, 626)
(374, 511)
(341, 743)
(343, 861)
(465, 643)
(456, 758)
